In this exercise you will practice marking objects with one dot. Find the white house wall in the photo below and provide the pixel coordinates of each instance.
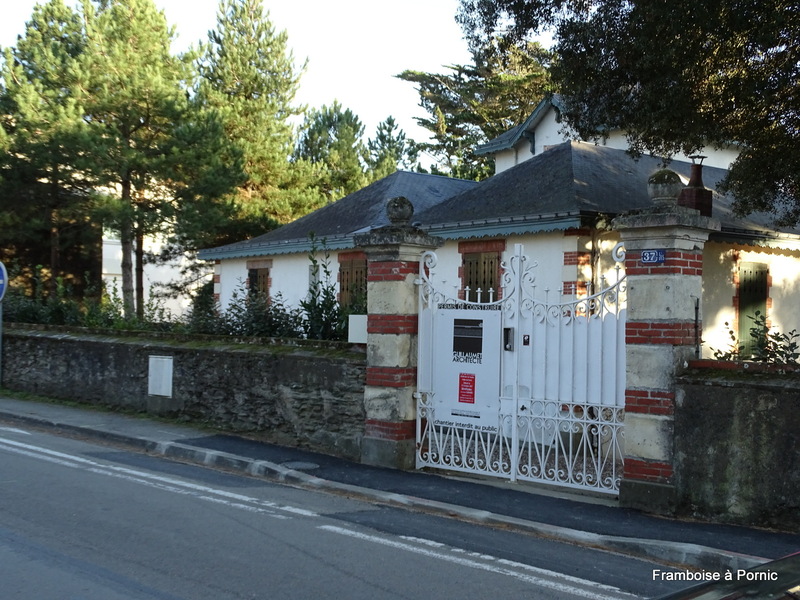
(290, 273)
(291, 276)
(720, 266)
(548, 251)
(549, 132)
(230, 278)
(544, 252)
(154, 275)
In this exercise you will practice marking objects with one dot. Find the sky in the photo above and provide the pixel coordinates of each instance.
(354, 47)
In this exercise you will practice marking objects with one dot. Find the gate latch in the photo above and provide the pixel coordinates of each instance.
(508, 339)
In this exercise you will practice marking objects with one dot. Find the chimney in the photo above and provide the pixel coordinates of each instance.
(695, 194)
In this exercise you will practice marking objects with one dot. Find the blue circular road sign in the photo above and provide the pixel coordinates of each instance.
(3, 281)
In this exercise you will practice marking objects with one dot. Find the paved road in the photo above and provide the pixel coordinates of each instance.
(80, 520)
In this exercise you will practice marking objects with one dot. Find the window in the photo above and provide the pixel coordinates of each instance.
(353, 280)
(481, 277)
(258, 277)
(753, 296)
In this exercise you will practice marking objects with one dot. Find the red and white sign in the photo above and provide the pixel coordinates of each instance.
(466, 388)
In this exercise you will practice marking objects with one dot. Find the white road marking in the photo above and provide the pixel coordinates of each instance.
(14, 430)
(169, 484)
(533, 575)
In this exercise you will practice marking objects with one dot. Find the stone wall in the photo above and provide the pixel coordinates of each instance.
(309, 395)
(737, 448)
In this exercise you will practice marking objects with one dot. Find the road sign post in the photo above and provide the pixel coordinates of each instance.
(3, 286)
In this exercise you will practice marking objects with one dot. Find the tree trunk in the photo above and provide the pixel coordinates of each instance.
(55, 242)
(126, 243)
(55, 253)
(139, 271)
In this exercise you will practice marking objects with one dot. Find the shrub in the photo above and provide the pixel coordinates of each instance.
(769, 345)
(324, 317)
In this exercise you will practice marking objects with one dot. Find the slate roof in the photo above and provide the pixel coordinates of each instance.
(509, 139)
(337, 222)
(567, 186)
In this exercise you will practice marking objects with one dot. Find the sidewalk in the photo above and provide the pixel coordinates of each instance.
(563, 517)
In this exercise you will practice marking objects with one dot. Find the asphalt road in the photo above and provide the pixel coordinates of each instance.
(91, 522)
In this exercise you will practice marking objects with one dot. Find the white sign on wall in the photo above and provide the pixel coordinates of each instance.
(466, 369)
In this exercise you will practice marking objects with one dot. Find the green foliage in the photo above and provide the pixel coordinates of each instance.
(769, 345)
(324, 317)
(96, 310)
(331, 138)
(389, 151)
(134, 97)
(247, 314)
(93, 100)
(676, 76)
(248, 77)
(471, 104)
(332, 142)
(45, 205)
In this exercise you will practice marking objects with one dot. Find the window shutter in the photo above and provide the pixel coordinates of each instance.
(753, 293)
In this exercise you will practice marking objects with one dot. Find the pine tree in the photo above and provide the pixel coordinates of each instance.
(44, 197)
(135, 95)
(471, 104)
(332, 138)
(390, 150)
(249, 77)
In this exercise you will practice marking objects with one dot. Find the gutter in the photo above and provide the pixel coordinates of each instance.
(293, 246)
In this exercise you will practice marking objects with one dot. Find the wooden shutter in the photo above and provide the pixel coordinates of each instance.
(753, 293)
(481, 272)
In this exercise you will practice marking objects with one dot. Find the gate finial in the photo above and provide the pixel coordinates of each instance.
(399, 210)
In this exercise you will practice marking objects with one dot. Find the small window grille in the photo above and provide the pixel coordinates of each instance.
(352, 282)
(481, 276)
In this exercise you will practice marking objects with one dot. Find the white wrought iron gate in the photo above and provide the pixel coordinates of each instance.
(520, 387)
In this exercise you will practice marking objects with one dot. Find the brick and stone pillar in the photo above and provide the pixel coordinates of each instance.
(393, 254)
(664, 268)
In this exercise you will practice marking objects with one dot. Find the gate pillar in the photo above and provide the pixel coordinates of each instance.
(393, 254)
(664, 268)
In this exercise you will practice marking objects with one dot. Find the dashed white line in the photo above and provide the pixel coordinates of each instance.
(533, 575)
(169, 484)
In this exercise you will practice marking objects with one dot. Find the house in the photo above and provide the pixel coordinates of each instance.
(558, 203)
(278, 262)
(156, 275)
(544, 128)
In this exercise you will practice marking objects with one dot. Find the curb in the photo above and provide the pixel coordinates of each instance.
(686, 555)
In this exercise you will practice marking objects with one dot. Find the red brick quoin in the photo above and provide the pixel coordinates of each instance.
(651, 402)
(392, 324)
(647, 470)
(577, 258)
(391, 270)
(391, 376)
(390, 430)
(676, 333)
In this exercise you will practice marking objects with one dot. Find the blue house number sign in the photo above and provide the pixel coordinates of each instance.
(653, 257)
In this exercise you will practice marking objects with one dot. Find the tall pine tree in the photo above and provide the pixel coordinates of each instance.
(44, 198)
(390, 150)
(135, 97)
(248, 75)
(332, 139)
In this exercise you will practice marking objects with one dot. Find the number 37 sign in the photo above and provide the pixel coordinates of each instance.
(651, 257)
